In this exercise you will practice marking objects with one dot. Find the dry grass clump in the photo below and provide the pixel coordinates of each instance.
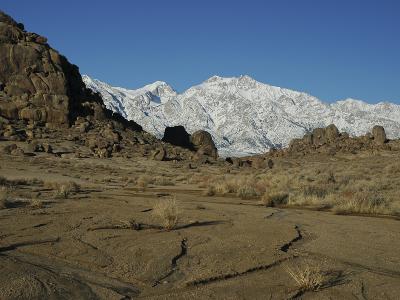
(143, 181)
(63, 190)
(246, 192)
(362, 202)
(308, 277)
(167, 210)
(3, 181)
(393, 169)
(210, 191)
(4, 199)
(271, 199)
(36, 203)
(244, 186)
(353, 184)
(163, 181)
(21, 181)
(200, 179)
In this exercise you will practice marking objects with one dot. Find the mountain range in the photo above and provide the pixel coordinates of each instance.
(243, 116)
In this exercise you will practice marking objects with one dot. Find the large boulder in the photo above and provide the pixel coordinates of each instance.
(177, 136)
(318, 136)
(379, 135)
(331, 133)
(202, 142)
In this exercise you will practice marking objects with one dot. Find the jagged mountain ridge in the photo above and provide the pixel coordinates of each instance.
(244, 116)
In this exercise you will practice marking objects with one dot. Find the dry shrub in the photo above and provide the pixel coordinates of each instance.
(223, 188)
(319, 191)
(167, 210)
(4, 200)
(210, 191)
(271, 199)
(164, 181)
(36, 203)
(311, 200)
(246, 192)
(393, 169)
(200, 179)
(3, 181)
(143, 181)
(21, 181)
(63, 190)
(181, 178)
(362, 202)
(307, 277)
(245, 187)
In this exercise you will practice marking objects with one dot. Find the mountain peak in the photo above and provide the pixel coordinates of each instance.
(156, 84)
(245, 116)
(215, 78)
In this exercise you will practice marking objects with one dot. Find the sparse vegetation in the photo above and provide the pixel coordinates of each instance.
(143, 181)
(246, 192)
(17, 182)
(63, 190)
(330, 186)
(362, 202)
(3, 198)
(308, 277)
(167, 210)
(163, 181)
(274, 199)
(210, 191)
(36, 203)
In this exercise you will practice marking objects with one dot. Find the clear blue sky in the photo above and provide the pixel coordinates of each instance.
(331, 49)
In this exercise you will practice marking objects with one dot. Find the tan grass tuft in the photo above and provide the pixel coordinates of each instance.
(307, 277)
(167, 210)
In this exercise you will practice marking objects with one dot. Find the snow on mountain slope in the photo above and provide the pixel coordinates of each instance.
(243, 115)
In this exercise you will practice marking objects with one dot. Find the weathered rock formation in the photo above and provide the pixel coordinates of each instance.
(42, 96)
(39, 85)
(200, 141)
(379, 135)
(203, 143)
(329, 140)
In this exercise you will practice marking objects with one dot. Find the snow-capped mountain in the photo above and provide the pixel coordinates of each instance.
(244, 116)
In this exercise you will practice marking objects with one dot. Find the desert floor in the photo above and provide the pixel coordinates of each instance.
(103, 241)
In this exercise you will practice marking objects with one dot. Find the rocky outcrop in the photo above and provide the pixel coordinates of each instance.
(42, 95)
(329, 140)
(39, 85)
(203, 143)
(159, 154)
(379, 135)
(200, 141)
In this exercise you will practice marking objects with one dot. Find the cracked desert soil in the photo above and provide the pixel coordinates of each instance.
(222, 248)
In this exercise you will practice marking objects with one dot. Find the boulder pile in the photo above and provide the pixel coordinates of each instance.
(43, 98)
(329, 140)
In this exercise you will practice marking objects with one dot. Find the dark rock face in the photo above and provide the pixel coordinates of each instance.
(177, 136)
(204, 144)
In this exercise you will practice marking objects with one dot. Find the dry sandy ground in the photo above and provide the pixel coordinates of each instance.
(223, 247)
